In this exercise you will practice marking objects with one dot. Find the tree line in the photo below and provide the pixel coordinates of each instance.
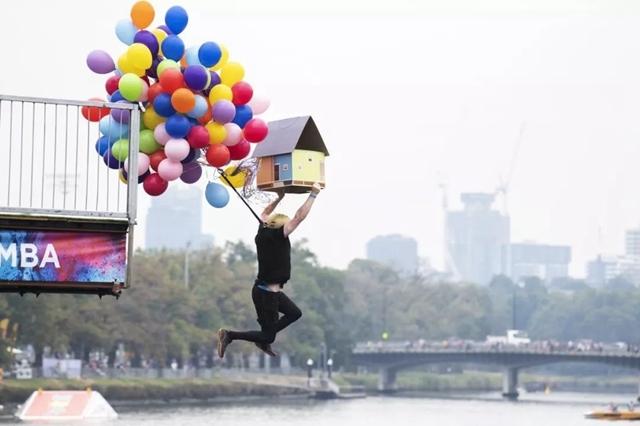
(160, 319)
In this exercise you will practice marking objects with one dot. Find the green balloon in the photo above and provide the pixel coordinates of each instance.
(166, 64)
(120, 149)
(130, 86)
(148, 143)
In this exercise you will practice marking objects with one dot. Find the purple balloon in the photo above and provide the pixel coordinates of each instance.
(111, 161)
(148, 39)
(141, 178)
(215, 79)
(165, 29)
(223, 111)
(196, 77)
(191, 156)
(191, 173)
(153, 70)
(100, 62)
(120, 115)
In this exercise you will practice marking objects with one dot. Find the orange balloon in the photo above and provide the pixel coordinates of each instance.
(142, 14)
(183, 100)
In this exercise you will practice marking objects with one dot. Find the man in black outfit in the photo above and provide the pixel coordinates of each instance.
(274, 270)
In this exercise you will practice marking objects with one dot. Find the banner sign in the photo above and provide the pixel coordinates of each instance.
(62, 256)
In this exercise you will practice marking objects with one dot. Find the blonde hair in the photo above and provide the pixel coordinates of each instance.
(277, 220)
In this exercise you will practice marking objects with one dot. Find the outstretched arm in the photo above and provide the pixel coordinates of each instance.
(302, 212)
(271, 207)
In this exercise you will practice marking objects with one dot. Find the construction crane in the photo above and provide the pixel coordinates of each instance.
(503, 183)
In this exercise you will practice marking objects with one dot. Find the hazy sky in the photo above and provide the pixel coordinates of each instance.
(406, 94)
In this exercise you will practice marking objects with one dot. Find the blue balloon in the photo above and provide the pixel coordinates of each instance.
(126, 31)
(103, 144)
(217, 195)
(162, 105)
(199, 109)
(112, 129)
(111, 161)
(177, 126)
(192, 56)
(209, 54)
(243, 115)
(173, 47)
(176, 19)
(116, 96)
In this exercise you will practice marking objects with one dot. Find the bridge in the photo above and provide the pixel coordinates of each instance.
(391, 357)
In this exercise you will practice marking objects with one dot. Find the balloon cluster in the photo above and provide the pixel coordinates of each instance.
(195, 102)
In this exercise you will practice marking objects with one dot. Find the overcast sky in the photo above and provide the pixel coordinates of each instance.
(407, 94)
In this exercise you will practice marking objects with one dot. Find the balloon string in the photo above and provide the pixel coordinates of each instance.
(224, 176)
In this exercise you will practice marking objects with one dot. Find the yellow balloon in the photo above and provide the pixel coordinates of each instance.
(236, 180)
(121, 176)
(126, 66)
(224, 57)
(217, 132)
(231, 73)
(218, 92)
(139, 56)
(160, 35)
(151, 119)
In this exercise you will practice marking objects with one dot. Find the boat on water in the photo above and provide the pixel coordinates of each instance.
(614, 415)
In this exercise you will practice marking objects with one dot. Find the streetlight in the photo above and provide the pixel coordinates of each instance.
(329, 366)
(309, 368)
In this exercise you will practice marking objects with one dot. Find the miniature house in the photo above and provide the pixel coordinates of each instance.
(291, 157)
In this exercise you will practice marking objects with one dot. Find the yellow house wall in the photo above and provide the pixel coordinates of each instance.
(307, 165)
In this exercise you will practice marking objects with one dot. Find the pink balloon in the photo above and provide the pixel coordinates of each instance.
(234, 134)
(161, 135)
(143, 164)
(170, 170)
(176, 149)
(259, 103)
(144, 96)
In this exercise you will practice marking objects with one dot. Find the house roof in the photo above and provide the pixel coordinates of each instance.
(289, 134)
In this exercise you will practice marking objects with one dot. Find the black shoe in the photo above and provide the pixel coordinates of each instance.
(223, 341)
(266, 348)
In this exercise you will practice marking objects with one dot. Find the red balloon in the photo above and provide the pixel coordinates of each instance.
(156, 158)
(171, 80)
(239, 150)
(112, 84)
(255, 130)
(95, 113)
(154, 185)
(206, 117)
(242, 92)
(198, 137)
(154, 90)
(218, 155)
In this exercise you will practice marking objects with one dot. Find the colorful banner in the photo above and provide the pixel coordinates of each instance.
(65, 256)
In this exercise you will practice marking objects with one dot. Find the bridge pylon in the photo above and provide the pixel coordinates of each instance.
(510, 383)
(387, 380)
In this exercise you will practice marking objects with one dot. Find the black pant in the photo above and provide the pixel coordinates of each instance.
(268, 306)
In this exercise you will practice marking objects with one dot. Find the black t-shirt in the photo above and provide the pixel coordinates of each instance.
(274, 255)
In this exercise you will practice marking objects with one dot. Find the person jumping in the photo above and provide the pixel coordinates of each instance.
(274, 270)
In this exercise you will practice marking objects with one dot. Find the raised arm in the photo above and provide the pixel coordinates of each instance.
(271, 207)
(303, 211)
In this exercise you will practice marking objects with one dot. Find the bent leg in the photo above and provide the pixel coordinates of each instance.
(266, 304)
(290, 310)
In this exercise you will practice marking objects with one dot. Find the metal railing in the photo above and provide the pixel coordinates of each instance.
(49, 163)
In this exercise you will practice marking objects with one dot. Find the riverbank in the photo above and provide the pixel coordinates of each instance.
(122, 391)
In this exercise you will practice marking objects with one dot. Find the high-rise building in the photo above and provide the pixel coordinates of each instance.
(476, 238)
(632, 242)
(396, 251)
(174, 220)
(537, 260)
(603, 269)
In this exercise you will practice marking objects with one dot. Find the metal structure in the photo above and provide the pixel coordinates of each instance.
(390, 359)
(51, 178)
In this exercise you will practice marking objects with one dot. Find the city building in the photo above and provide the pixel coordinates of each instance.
(632, 242)
(174, 220)
(396, 251)
(476, 237)
(603, 269)
(544, 261)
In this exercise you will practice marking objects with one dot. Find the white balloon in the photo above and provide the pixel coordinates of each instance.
(176, 149)
(234, 134)
(259, 103)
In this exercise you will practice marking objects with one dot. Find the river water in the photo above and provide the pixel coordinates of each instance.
(557, 409)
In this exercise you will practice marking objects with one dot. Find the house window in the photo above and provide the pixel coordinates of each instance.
(285, 167)
(310, 159)
(276, 172)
